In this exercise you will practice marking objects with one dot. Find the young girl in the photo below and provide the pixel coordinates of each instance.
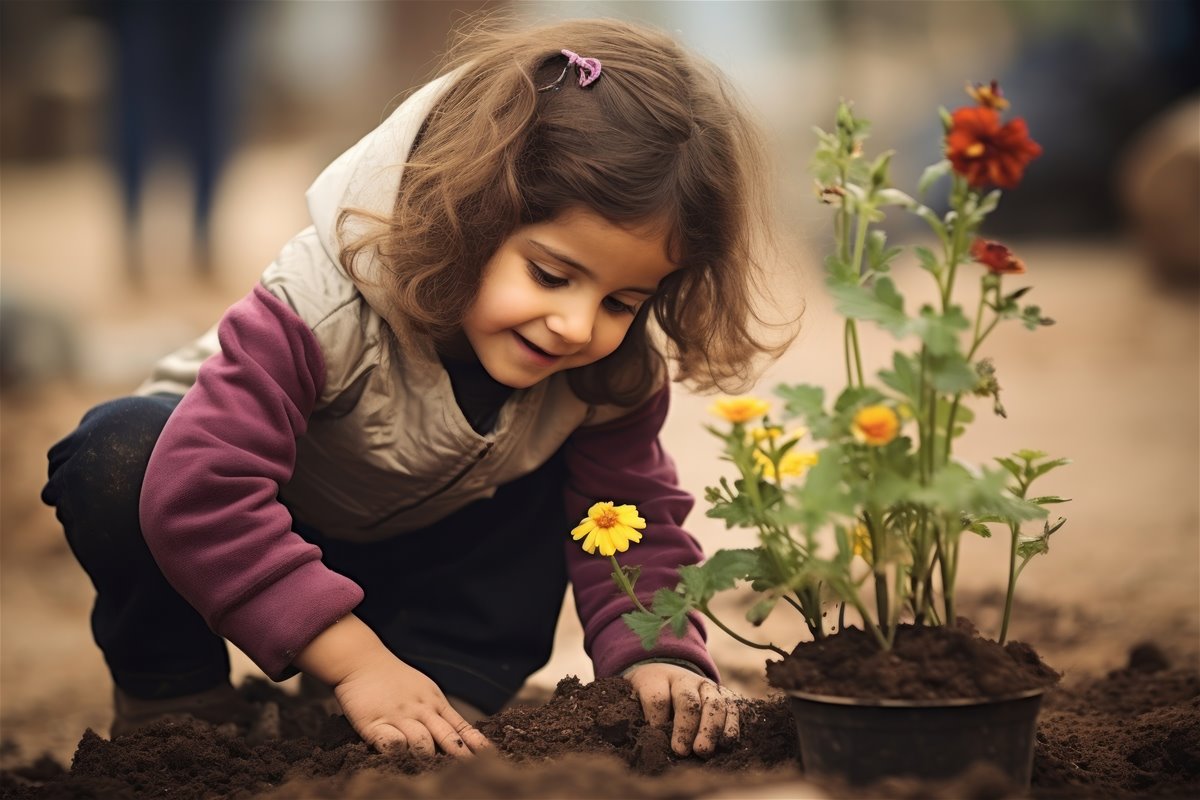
(368, 471)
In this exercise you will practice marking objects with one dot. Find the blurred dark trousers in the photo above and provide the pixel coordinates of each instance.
(472, 601)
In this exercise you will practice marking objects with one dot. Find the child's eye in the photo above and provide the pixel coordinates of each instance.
(617, 307)
(543, 278)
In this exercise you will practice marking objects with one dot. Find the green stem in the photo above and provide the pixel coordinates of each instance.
(1012, 582)
(875, 533)
(857, 602)
(860, 242)
(930, 456)
(950, 426)
(846, 348)
(952, 259)
(623, 582)
(758, 646)
(949, 574)
(944, 560)
(924, 432)
(852, 326)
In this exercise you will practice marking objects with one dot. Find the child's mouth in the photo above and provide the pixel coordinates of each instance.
(534, 350)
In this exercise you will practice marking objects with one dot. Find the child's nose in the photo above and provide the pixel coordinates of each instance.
(573, 324)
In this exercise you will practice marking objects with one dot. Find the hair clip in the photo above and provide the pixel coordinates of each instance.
(589, 71)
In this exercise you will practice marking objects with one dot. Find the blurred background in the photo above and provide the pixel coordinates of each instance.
(154, 158)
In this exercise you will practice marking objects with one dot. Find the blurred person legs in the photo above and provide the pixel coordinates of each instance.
(173, 90)
(472, 601)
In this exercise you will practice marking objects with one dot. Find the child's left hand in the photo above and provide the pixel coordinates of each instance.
(705, 713)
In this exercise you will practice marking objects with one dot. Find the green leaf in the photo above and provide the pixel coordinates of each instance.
(881, 304)
(954, 490)
(1042, 469)
(840, 271)
(1031, 317)
(1012, 466)
(724, 568)
(927, 260)
(1049, 500)
(940, 332)
(879, 256)
(879, 169)
(737, 513)
(632, 573)
(931, 175)
(988, 205)
(893, 197)
(979, 528)
(947, 120)
(1029, 548)
(823, 493)
(669, 602)
(804, 401)
(904, 377)
(647, 627)
(854, 396)
(952, 374)
(759, 612)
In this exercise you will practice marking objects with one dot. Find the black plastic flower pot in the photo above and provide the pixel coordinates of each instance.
(862, 741)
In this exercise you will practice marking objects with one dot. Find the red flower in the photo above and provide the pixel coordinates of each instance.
(986, 152)
(996, 257)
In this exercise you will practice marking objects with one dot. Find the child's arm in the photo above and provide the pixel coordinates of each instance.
(624, 461)
(391, 705)
(209, 503)
(210, 514)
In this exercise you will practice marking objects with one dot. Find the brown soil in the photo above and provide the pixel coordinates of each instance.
(1132, 733)
(924, 663)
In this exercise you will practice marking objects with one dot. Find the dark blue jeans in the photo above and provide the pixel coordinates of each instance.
(472, 601)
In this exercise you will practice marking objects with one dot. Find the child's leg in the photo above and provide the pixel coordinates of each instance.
(156, 645)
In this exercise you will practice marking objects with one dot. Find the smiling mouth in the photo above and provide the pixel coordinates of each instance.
(535, 349)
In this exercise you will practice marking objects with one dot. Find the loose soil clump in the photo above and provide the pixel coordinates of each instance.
(1132, 733)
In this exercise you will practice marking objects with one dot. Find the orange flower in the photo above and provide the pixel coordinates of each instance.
(875, 425)
(996, 257)
(986, 152)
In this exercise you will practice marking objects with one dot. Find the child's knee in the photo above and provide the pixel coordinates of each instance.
(96, 472)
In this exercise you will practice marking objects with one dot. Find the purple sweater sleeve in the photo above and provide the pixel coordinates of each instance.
(623, 461)
(209, 510)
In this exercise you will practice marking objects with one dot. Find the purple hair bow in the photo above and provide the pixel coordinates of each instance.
(589, 68)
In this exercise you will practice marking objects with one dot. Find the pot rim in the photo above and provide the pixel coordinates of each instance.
(886, 702)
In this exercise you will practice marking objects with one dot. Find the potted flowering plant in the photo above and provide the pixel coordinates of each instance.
(859, 504)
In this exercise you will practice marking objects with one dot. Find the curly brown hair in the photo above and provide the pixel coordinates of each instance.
(661, 136)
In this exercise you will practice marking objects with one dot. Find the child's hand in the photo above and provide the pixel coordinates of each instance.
(392, 706)
(396, 708)
(705, 714)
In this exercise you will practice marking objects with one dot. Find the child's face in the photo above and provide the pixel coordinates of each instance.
(562, 294)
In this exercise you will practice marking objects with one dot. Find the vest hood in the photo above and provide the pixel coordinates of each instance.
(367, 177)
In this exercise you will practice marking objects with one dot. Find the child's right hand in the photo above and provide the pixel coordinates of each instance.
(392, 706)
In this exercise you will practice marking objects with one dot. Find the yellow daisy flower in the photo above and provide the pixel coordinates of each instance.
(760, 434)
(740, 409)
(609, 528)
(875, 425)
(793, 464)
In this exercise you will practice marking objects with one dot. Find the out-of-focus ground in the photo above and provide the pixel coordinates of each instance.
(1115, 385)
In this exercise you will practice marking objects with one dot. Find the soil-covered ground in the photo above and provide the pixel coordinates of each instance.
(1133, 733)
